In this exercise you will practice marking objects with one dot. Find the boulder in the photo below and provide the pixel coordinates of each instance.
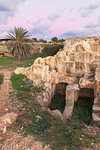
(56, 113)
(8, 118)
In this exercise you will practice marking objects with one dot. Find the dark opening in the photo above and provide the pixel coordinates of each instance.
(83, 107)
(61, 88)
(58, 101)
(86, 93)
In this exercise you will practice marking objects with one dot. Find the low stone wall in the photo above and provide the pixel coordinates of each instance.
(4, 51)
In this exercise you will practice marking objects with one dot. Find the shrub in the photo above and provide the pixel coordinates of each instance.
(51, 50)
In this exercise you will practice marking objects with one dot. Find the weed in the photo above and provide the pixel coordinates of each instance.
(1, 79)
(58, 102)
(19, 82)
(4, 60)
(38, 88)
(83, 111)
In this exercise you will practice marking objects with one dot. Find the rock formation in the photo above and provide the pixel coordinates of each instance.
(74, 71)
(4, 51)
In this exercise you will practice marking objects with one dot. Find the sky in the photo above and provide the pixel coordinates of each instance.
(45, 19)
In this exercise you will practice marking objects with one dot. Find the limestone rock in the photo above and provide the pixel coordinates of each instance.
(4, 51)
(78, 63)
(8, 118)
(79, 56)
(96, 119)
(56, 113)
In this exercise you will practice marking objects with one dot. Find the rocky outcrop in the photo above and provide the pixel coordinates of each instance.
(78, 65)
(7, 119)
(37, 47)
(4, 51)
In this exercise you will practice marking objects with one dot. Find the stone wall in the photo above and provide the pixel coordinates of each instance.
(4, 51)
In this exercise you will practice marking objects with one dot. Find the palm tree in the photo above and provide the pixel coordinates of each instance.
(18, 44)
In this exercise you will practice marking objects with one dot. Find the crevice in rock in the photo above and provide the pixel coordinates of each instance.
(86, 93)
(83, 110)
(61, 88)
(83, 107)
(58, 101)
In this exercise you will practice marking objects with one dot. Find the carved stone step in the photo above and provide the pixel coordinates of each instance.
(96, 120)
(96, 109)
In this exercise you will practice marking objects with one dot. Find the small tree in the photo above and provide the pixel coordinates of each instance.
(34, 39)
(19, 45)
(54, 39)
(61, 40)
(42, 40)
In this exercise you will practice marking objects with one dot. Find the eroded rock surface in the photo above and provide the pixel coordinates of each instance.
(4, 51)
(77, 66)
(8, 118)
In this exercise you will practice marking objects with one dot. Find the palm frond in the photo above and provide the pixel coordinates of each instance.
(19, 46)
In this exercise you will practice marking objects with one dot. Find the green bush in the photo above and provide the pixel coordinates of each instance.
(54, 39)
(51, 50)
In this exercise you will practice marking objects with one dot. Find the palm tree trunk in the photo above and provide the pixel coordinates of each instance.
(19, 57)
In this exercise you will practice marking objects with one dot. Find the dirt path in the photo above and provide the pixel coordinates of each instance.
(4, 91)
(10, 140)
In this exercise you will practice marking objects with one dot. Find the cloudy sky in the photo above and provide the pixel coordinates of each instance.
(48, 18)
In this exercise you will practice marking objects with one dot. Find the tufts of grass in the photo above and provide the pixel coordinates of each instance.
(58, 102)
(83, 111)
(21, 82)
(1, 79)
(8, 62)
(4, 60)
